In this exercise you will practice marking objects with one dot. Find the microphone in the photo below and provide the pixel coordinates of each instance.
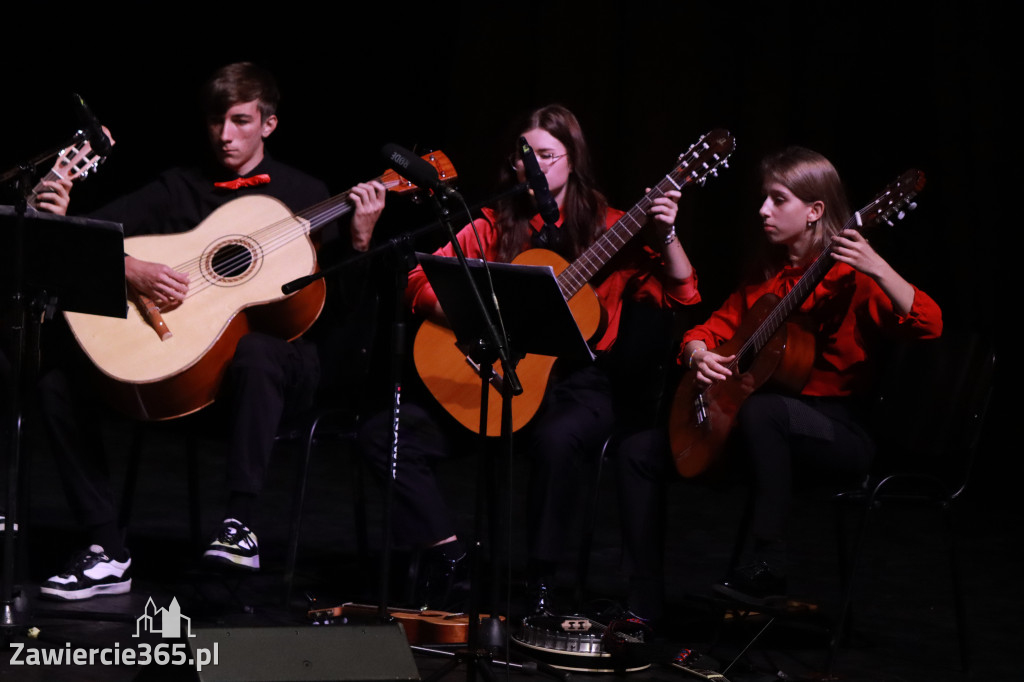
(538, 182)
(93, 130)
(414, 169)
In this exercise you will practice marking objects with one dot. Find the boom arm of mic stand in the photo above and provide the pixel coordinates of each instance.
(412, 235)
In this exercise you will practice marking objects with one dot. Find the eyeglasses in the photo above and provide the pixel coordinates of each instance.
(544, 159)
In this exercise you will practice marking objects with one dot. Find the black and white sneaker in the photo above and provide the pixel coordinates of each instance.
(235, 545)
(3, 523)
(90, 573)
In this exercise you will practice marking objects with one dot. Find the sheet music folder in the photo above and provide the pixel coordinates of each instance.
(537, 316)
(80, 261)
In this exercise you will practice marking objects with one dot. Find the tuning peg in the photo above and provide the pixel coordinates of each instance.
(901, 215)
(912, 206)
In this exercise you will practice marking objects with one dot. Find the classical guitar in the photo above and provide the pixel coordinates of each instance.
(421, 627)
(74, 162)
(768, 345)
(163, 364)
(454, 380)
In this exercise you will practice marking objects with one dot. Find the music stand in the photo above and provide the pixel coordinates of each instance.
(536, 315)
(536, 319)
(59, 263)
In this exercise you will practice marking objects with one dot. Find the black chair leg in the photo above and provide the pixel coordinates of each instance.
(955, 566)
(298, 504)
(847, 573)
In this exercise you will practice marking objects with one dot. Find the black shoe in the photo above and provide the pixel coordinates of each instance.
(90, 573)
(756, 585)
(234, 546)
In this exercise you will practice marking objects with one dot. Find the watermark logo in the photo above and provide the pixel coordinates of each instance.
(166, 622)
(169, 623)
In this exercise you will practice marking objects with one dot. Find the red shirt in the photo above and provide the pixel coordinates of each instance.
(850, 315)
(634, 272)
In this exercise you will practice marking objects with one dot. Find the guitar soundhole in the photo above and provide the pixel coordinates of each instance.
(231, 261)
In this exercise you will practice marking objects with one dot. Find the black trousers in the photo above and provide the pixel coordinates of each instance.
(267, 378)
(564, 439)
(787, 441)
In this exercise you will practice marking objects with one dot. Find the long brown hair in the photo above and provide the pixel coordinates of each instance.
(810, 177)
(583, 212)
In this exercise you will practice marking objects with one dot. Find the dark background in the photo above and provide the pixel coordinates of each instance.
(877, 87)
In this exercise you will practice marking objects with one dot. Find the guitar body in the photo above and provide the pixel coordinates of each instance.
(703, 416)
(153, 379)
(421, 627)
(455, 384)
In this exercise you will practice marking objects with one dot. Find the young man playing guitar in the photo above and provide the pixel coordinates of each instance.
(267, 376)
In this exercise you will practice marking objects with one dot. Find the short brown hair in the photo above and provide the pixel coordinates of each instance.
(241, 82)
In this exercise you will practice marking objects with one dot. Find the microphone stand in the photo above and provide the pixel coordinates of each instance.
(399, 251)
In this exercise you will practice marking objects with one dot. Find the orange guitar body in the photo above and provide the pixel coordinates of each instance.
(703, 416)
(454, 382)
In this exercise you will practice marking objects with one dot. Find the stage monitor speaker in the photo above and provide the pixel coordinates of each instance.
(287, 654)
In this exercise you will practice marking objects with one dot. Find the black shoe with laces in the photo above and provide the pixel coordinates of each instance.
(90, 573)
(234, 546)
(755, 585)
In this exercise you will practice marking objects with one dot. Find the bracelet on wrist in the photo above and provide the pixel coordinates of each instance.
(671, 236)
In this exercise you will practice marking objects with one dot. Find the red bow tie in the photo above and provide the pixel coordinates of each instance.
(260, 179)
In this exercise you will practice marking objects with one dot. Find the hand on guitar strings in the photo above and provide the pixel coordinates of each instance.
(368, 199)
(161, 283)
(54, 196)
(710, 366)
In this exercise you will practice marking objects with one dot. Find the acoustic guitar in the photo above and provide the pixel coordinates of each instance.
(454, 379)
(768, 345)
(158, 365)
(421, 627)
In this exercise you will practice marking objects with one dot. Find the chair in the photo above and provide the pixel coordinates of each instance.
(928, 423)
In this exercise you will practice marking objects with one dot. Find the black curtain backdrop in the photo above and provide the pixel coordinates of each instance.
(877, 87)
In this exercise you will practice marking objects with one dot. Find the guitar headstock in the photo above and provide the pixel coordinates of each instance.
(445, 172)
(704, 157)
(78, 160)
(889, 205)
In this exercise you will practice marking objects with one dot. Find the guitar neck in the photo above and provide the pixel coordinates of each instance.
(611, 242)
(50, 176)
(791, 301)
(694, 166)
(331, 209)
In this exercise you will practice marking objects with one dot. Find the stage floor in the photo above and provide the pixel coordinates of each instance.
(903, 628)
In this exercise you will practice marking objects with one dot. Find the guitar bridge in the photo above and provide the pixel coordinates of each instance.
(700, 409)
(494, 379)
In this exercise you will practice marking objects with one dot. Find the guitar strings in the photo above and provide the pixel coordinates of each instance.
(270, 238)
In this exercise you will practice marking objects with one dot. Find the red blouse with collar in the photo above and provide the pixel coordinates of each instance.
(635, 272)
(850, 316)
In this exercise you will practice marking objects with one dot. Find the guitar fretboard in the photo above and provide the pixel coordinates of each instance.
(701, 160)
